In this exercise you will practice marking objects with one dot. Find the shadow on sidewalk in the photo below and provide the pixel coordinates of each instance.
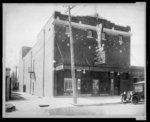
(16, 96)
(104, 104)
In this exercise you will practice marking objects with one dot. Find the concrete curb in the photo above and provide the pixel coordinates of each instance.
(95, 104)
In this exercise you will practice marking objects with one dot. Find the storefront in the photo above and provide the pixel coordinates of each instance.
(94, 83)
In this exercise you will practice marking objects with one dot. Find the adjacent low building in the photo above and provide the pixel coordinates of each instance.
(101, 55)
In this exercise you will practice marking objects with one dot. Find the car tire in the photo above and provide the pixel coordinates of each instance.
(123, 100)
(134, 100)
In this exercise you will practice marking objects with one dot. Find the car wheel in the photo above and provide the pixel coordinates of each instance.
(123, 100)
(134, 100)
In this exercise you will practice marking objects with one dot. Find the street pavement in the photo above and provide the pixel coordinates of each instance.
(29, 106)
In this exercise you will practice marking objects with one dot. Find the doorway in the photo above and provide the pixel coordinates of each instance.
(95, 87)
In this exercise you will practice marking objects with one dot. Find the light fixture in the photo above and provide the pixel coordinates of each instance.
(118, 74)
(89, 47)
(84, 71)
(120, 42)
(78, 70)
(79, 79)
(54, 61)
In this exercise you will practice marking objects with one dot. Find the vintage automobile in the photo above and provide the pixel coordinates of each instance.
(136, 95)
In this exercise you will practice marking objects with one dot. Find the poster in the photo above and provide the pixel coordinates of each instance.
(95, 87)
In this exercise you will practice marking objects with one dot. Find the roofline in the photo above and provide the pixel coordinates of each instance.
(86, 27)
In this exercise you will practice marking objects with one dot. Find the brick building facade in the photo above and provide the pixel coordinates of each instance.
(102, 58)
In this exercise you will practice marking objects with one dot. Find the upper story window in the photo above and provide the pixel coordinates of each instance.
(57, 18)
(103, 36)
(120, 40)
(80, 22)
(67, 30)
(89, 34)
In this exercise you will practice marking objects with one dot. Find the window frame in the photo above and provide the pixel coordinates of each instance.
(67, 30)
(103, 36)
(68, 85)
(120, 38)
(89, 35)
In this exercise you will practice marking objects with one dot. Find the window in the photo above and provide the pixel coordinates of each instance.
(135, 80)
(57, 18)
(67, 30)
(89, 34)
(79, 84)
(103, 36)
(68, 84)
(120, 38)
(80, 22)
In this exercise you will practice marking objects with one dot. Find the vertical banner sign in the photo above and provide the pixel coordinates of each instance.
(99, 29)
(100, 53)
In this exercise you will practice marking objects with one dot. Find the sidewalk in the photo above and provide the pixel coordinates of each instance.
(100, 100)
(58, 102)
(29, 105)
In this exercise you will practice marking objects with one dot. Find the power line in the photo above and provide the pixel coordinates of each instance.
(79, 9)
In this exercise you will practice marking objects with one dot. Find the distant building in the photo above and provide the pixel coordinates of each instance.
(23, 52)
(7, 84)
(102, 58)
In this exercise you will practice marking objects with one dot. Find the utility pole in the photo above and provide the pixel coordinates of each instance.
(72, 60)
(16, 73)
(43, 60)
(23, 74)
(31, 73)
(15, 79)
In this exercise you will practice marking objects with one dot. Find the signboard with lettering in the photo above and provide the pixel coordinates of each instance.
(99, 29)
(99, 57)
(100, 53)
(59, 67)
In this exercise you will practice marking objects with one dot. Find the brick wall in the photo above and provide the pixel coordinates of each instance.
(116, 53)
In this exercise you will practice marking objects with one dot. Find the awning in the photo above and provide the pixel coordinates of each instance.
(140, 82)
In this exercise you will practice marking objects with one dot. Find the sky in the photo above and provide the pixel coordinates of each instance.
(23, 22)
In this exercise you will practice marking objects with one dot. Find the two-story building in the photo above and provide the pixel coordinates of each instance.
(101, 55)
